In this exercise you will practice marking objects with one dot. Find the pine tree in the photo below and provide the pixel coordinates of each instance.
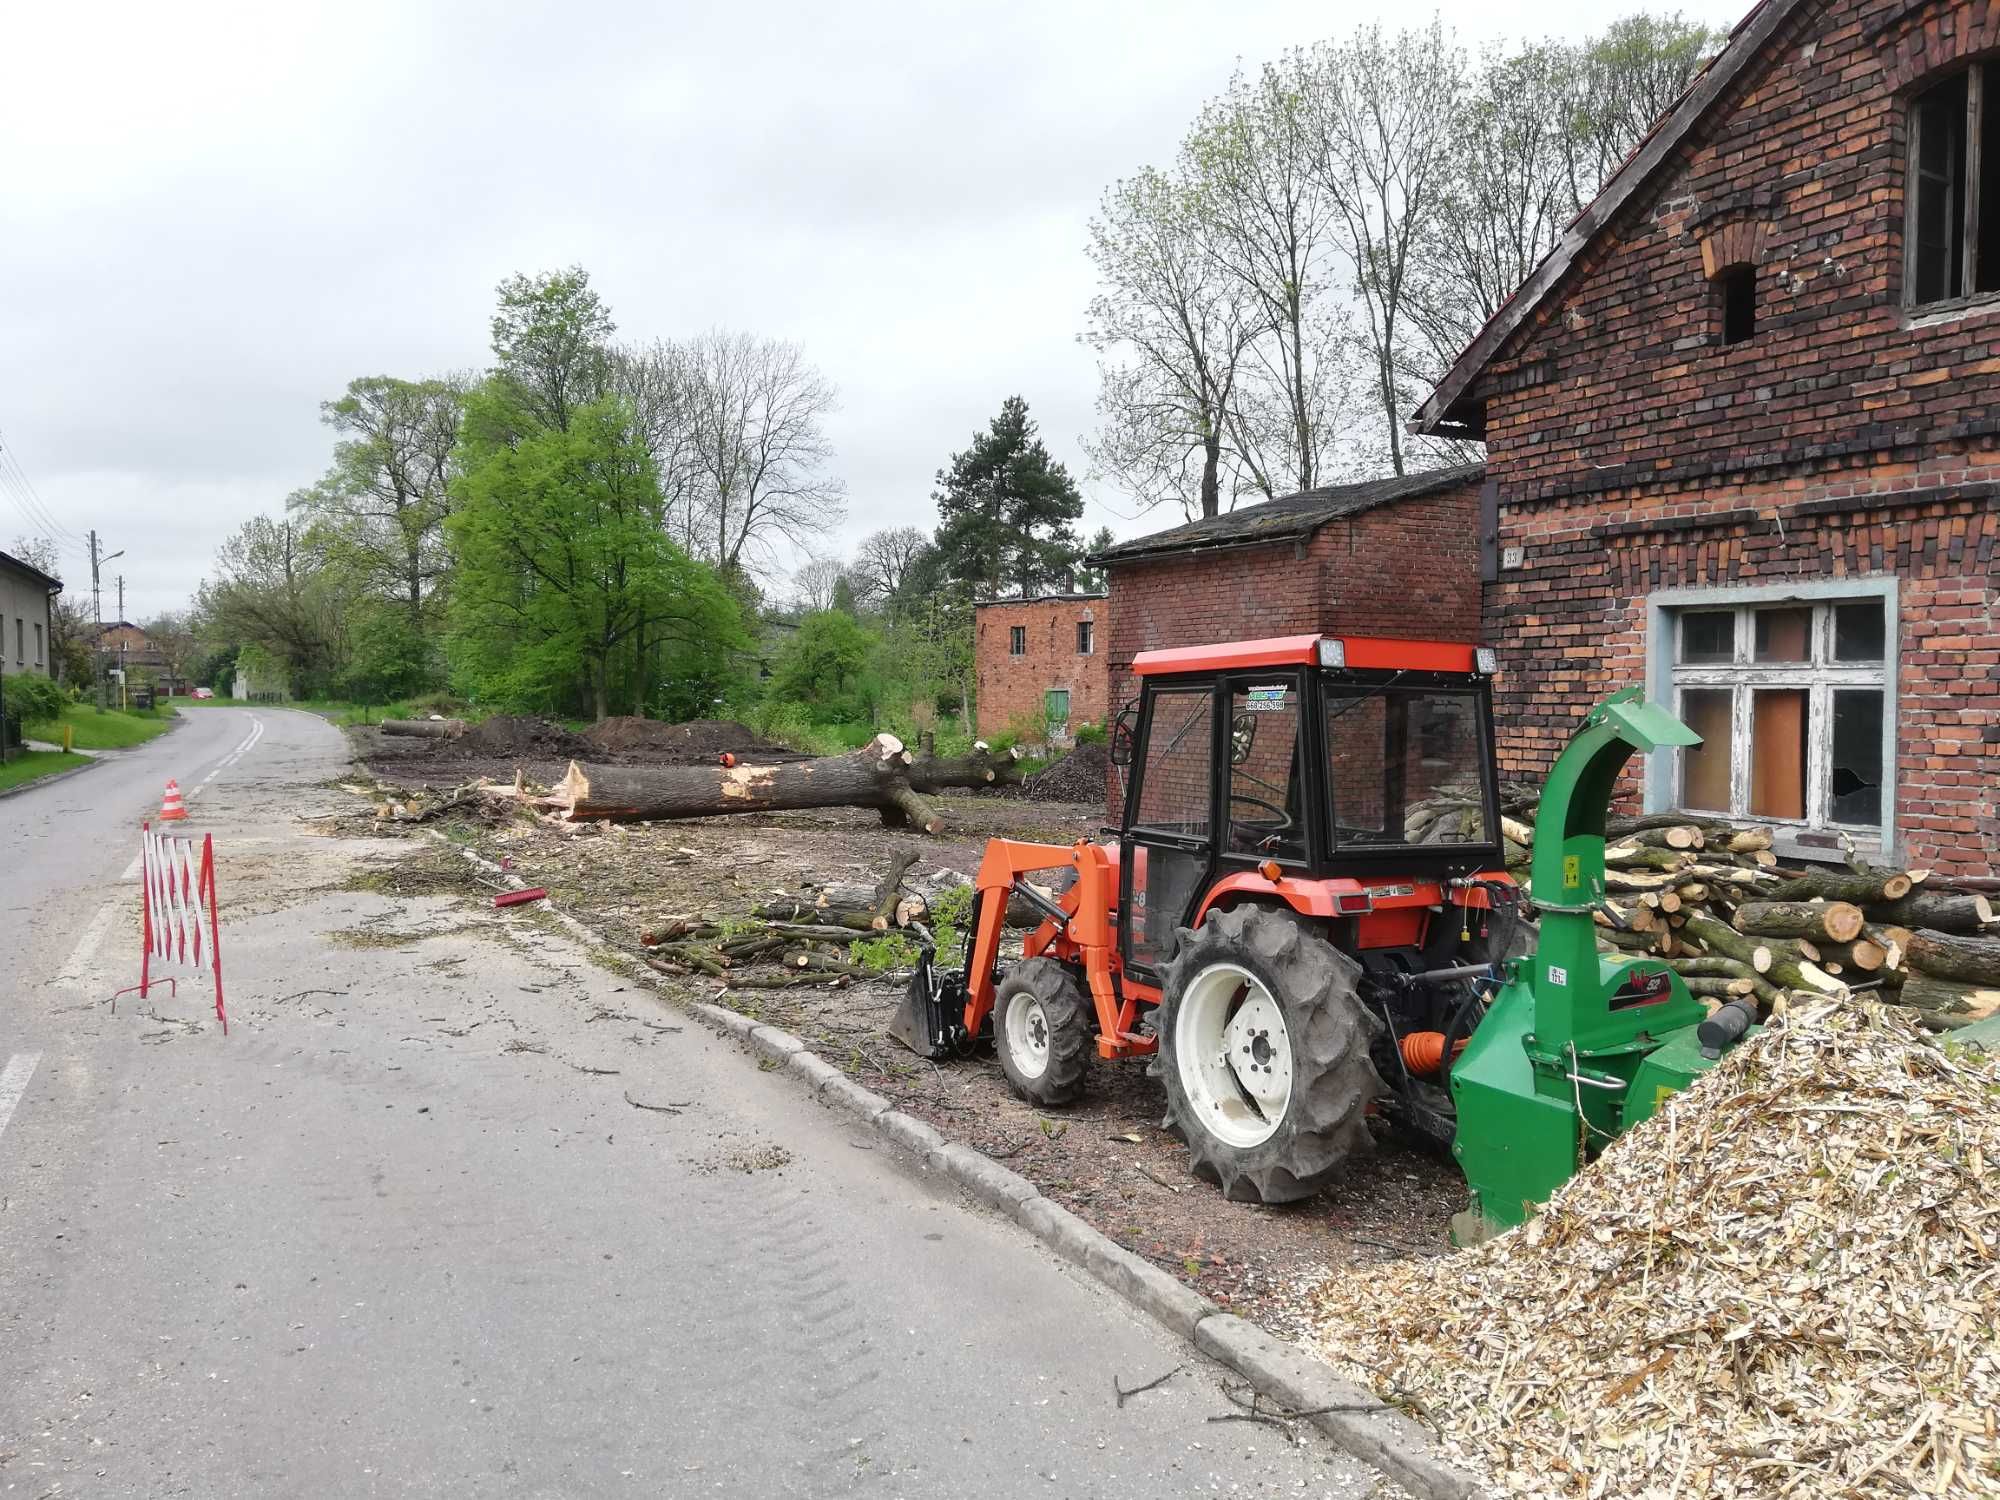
(1007, 510)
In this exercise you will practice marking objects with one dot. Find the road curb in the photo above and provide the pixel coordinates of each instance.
(1381, 1436)
(41, 781)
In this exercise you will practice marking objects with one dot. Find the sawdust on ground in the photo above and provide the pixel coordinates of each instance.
(1787, 1283)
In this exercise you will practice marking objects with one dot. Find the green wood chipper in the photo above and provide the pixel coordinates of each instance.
(1578, 1045)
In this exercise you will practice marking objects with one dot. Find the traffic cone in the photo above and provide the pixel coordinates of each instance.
(172, 809)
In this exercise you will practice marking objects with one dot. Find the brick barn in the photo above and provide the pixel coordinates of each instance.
(1395, 557)
(1040, 665)
(1741, 439)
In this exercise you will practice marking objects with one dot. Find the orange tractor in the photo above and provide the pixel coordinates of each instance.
(1300, 916)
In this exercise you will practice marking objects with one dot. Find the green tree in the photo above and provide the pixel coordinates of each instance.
(390, 658)
(828, 665)
(551, 345)
(565, 575)
(385, 498)
(275, 587)
(1007, 510)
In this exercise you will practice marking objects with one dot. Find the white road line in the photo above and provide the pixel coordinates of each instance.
(249, 743)
(94, 934)
(132, 870)
(14, 1083)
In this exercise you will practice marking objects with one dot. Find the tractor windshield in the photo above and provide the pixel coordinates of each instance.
(1408, 765)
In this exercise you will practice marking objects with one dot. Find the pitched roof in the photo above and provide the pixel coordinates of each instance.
(1450, 409)
(1291, 519)
(49, 580)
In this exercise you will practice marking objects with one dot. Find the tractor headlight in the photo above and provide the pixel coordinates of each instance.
(1486, 659)
(1333, 653)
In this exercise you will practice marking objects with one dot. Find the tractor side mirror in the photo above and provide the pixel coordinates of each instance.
(1242, 735)
(1123, 729)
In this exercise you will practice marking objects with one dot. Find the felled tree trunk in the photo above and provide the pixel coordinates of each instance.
(1940, 911)
(426, 729)
(1825, 921)
(1763, 958)
(983, 767)
(1867, 888)
(1970, 960)
(1949, 997)
(876, 775)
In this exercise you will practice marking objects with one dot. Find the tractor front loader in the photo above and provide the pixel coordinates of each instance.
(1305, 921)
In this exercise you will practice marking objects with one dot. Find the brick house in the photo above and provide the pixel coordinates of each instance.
(121, 645)
(1040, 664)
(1741, 439)
(1394, 557)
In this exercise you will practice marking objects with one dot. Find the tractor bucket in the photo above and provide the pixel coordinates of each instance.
(919, 1022)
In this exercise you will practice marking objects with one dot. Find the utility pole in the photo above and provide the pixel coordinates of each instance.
(98, 558)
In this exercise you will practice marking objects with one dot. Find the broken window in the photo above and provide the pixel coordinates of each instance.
(1951, 225)
(1791, 700)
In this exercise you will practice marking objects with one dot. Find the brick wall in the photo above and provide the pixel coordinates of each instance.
(1847, 438)
(1409, 570)
(1012, 689)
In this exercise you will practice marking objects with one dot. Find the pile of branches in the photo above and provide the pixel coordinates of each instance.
(1711, 899)
(788, 940)
(1782, 1284)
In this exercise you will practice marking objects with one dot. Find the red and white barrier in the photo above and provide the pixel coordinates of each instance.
(177, 896)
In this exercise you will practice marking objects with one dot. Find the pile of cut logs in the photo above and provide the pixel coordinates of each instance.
(1711, 900)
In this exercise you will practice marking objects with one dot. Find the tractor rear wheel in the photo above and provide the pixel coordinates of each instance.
(1264, 1051)
(1043, 1028)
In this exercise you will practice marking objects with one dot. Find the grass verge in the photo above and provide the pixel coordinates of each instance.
(33, 765)
(94, 728)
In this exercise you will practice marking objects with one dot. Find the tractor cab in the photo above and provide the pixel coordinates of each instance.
(1328, 772)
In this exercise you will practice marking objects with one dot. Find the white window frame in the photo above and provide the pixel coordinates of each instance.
(1017, 633)
(1813, 837)
(1087, 632)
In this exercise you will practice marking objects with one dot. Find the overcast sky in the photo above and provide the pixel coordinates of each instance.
(214, 217)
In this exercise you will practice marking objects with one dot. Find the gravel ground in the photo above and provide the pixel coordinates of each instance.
(1105, 1158)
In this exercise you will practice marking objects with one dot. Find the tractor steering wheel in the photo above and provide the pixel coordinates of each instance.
(1283, 818)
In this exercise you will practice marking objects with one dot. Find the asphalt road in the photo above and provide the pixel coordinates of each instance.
(406, 1231)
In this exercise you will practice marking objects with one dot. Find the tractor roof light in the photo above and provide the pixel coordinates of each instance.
(1332, 653)
(1486, 659)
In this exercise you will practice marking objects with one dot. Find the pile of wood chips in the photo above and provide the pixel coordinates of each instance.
(1787, 1283)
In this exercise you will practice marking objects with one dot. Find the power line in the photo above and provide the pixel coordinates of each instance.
(28, 498)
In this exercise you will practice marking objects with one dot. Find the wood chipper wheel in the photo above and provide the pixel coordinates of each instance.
(1264, 1052)
(1044, 1028)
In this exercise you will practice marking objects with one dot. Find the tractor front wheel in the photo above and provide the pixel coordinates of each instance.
(1264, 1051)
(1043, 1028)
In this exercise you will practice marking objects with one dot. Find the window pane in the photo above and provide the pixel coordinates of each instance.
(1174, 786)
(1859, 632)
(1705, 767)
(1356, 737)
(1708, 636)
(1986, 274)
(1407, 767)
(1264, 812)
(1778, 753)
(1857, 758)
(1784, 635)
(1938, 223)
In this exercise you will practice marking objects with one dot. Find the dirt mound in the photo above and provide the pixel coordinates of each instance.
(1788, 1272)
(1077, 777)
(696, 741)
(510, 734)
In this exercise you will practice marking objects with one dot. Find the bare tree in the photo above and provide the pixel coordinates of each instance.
(1172, 328)
(660, 381)
(1624, 80)
(1385, 116)
(883, 563)
(816, 583)
(1252, 160)
(1508, 199)
(760, 449)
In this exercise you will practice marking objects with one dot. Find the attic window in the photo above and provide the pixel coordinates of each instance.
(1951, 230)
(1736, 288)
